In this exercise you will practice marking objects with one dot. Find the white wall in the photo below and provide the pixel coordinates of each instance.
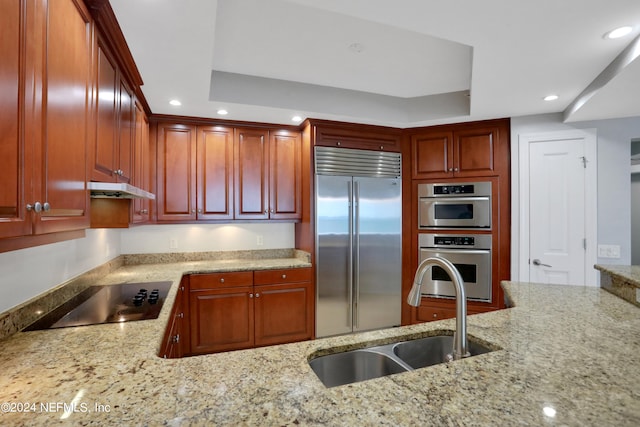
(207, 237)
(614, 210)
(27, 273)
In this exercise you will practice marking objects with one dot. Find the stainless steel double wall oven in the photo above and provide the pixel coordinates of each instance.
(447, 207)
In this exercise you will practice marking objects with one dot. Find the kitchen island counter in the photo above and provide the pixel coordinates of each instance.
(568, 351)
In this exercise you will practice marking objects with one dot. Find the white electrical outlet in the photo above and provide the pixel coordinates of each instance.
(609, 251)
(173, 243)
(259, 240)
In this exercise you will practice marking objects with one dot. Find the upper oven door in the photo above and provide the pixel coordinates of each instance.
(454, 212)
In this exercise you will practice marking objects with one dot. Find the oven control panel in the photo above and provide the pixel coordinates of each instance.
(453, 189)
(454, 240)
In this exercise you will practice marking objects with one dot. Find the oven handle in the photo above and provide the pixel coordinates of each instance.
(458, 251)
(455, 200)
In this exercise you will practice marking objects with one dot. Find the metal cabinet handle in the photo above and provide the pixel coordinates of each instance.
(181, 315)
(199, 210)
(538, 263)
(455, 169)
(250, 295)
(272, 211)
(193, 211)
(144, 211)
(338, 143)
(257, 295)
(450, 169)
(222, 280)
(284, 276)
(46, 207)
(175, 339)
(29, 207)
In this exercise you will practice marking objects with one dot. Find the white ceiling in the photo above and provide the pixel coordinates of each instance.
(399, 63)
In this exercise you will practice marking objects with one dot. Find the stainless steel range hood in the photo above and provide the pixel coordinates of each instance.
(114, 190)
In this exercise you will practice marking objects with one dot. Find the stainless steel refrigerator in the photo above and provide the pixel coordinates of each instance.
(358, 240)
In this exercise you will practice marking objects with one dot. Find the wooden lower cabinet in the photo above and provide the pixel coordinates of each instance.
(431, 311)
(236, 310)
(174, 343)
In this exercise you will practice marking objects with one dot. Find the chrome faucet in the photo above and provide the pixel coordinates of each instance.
(460, 342)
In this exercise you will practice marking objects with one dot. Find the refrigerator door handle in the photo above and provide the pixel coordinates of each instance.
(350, 270)
(356, 262)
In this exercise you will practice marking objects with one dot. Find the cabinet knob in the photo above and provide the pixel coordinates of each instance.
(193, 211)
(266, 212)
(435, 315)
(199, 210)
(144, 211)
(222, 280)
(284, 276)
(382, 147)
(455, 169)
(250, 295)
(181, 315)
(29, 207)
(257, 295)
(338, 143)
(175, 339)
(272, 211)
(182, 288)
(46, 207)
(450, 169)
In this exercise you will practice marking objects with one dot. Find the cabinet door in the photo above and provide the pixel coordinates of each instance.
(68, 87)
(432, 155)
(141, 166)
(16, 170)
(283, 313)
(126, 127)
(215, 172)
(104, 152)
(176, 172)
(221, 319)
(251, 162)
(285, 176)
(474, 152)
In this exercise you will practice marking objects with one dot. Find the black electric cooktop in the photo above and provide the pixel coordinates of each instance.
(124, 302)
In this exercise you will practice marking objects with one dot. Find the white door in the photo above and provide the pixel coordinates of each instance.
(560, 212)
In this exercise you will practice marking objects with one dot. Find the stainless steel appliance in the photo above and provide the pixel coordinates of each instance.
(358, 240)
(454, 205)
(469, 253)
(123, 302)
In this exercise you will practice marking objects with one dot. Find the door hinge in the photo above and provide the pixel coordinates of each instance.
(584, 244)
(584, 161)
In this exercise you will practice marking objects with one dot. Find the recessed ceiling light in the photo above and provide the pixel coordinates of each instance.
(550, 97)
(223, 112)
(296, 119)
(175, 103)
(618, 32)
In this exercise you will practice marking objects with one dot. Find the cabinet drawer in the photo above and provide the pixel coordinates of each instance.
(289, 275)
(220, 280)
(428, 314)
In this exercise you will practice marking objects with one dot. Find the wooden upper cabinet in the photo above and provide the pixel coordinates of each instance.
(68, 86)
(141, 165)
(214, 172)
(251, 162)
(432, 154)
(465, 150)
(16, 169)
(176, 172)
(349, 135)
(104, 153)
(126, 126)
(285, 175)
(112, 149)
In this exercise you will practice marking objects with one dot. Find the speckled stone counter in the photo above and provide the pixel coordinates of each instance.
(621, 280)
(573, 349)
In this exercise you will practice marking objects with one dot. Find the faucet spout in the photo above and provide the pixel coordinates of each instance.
(461, 343)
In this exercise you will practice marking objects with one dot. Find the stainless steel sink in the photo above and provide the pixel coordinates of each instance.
(353, 366)
(431, 350)
(374, 362)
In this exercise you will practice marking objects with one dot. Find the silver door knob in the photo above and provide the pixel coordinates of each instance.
(538, 263)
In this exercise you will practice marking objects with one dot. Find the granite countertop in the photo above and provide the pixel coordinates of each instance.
(621, 280)
(573, 349)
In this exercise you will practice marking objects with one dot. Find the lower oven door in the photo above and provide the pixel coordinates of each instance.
(474, 266)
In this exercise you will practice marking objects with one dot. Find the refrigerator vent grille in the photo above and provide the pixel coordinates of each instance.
(341, 161)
